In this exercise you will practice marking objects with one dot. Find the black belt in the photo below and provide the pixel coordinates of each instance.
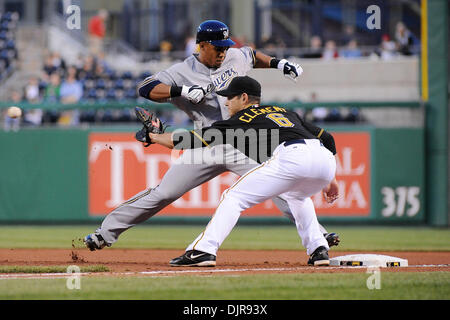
(288, 143)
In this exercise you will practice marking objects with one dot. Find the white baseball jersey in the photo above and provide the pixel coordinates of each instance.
(192, 72)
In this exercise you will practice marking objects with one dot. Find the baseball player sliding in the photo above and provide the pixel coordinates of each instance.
(191, 86)
(300, 165)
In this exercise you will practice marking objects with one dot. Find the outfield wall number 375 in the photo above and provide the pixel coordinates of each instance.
(400, 201)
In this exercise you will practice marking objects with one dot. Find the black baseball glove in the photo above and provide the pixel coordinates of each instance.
(152, 124)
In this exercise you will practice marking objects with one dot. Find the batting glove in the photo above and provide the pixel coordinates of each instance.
(194, 94)
(290, 70)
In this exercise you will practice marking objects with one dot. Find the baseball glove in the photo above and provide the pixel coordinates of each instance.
(152, 124)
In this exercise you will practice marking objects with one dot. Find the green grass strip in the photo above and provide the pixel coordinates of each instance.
(49, 269)
(339, 286)
(357, 238)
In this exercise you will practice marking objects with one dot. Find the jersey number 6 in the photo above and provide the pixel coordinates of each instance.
(280, 120)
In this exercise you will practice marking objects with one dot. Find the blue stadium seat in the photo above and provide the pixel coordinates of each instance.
(120, 94)
(111, 74)
(101, 94)
(4, 26)
(10, 44)
(118, 84)
(111, 94)
(131, 94)
(144, 75)
(100, 84)
(127, 75)
(7, 16)
(92, 94)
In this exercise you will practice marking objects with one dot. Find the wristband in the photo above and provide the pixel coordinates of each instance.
(274, 63)
(175, 91)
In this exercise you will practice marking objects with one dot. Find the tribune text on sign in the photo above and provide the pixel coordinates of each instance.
(120, 167)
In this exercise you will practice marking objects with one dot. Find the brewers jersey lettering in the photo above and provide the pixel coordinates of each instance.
(238, 62)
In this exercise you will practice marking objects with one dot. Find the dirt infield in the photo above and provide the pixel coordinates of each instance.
(155, 262)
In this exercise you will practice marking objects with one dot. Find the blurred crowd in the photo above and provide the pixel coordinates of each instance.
(8, 48)
(91, 80)
(403, 43)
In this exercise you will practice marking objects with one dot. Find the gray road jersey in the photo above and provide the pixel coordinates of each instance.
(190, 72)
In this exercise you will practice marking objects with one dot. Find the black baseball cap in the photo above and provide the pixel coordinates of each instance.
(241, 85)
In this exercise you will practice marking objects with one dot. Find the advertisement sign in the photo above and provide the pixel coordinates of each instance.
(120, 167)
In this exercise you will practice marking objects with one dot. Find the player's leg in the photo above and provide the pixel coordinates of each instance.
(305, 218)
(257, 185)
(303, 172)
(239, 164)
(179, 179)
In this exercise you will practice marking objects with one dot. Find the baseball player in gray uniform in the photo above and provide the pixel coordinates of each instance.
(191, 85)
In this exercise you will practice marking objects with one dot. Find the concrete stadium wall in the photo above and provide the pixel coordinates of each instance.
(365, 79)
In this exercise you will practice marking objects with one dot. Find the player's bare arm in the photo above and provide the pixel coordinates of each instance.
(164, 139)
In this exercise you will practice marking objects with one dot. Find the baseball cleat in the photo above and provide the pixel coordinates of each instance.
(94, 241)
(319, 257)
(332, 239)
(194, 258)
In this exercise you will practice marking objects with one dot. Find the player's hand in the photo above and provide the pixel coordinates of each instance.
(331, 192)
(290, 70)
(194, 94)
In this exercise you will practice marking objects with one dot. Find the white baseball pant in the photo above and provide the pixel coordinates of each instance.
(296, 172)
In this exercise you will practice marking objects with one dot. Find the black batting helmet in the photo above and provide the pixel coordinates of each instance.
(214, 32)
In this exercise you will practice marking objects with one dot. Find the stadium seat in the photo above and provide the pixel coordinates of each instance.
(92, 94)
(119, 94)
(131, 94)
(127, 75)
(144, 75)
(118, 84)
(111, 94)
(100, 84)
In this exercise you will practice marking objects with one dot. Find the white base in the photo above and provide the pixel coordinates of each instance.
(368, 260)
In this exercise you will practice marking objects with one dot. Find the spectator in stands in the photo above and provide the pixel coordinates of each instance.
(49, 67)
(348, 35)
(52, 90)
(71, 90)
(57, 61)
(32, 90)
(10, 123)
(334, 115)
(88, 69)
(97, 31)
(318, 114)
(164, 49)
(315, 48)
(387, 48)
(330, 52)
(272, 44)
(51, 95)
(353, 115)
(406, 41)
(351, 50)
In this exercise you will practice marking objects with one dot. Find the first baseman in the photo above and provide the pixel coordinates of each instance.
(191, 86)
(300, 162)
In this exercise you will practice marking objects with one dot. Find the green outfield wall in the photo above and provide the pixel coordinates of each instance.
(47, 176)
